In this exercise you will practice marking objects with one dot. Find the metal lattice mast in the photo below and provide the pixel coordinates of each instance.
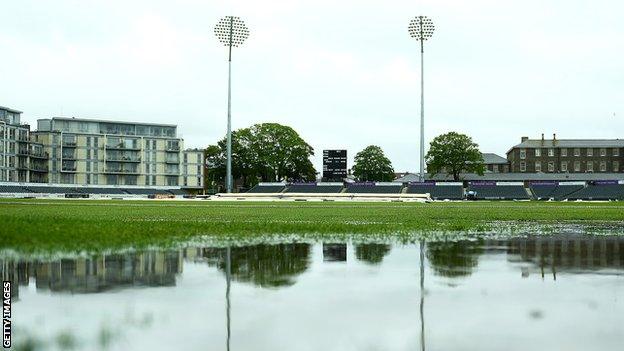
(421, 28)
(232, 32)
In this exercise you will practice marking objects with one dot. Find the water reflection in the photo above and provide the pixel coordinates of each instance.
(266, 287)
(454, 258)
(334, 252)
(371, 253)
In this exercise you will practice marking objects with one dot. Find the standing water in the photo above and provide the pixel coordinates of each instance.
(542, 292)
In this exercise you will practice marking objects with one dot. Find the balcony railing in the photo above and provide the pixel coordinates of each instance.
(172, 148)
(122, 159)
(69, 156)
(121, 171)
(172, 160)
(39, 169)
(68, 169)
(122, 146)
(37, 154)
(67, 143)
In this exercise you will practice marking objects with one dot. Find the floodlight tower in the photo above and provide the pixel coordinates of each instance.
(232, 32)
(421, 28)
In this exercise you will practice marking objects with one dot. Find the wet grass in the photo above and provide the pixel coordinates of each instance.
(88, 225)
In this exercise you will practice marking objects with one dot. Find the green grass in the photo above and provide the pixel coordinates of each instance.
(77, 225)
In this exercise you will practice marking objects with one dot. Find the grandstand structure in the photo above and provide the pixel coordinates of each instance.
(43, 190)
(608, 190)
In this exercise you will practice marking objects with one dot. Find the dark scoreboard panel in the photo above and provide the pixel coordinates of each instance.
(334, 165)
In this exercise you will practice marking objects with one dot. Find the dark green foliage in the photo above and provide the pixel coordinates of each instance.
(268, 152)
(371, 164)
(454, 153)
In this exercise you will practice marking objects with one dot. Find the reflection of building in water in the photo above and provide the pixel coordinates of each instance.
(100, 273)
(334, 252)
(264, 265)
(567, 253)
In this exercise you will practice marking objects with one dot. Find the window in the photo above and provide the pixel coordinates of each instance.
(577, 166)
(538, 166)
(88, 167)
(551, 166)
(564, 166)
(147, 178)
(603, 151)
(522, 166)
(590, 152)
(185, 157)
(551, 152)
(577, 152)
(522, 154)
(616, 166)
(88, 177)
(538, 152)
(172, 181)
(95, 179)
(616, 151)
(564, 152)
(590, 166)
(603, 166)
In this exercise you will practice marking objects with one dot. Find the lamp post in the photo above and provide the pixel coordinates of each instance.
(421, 28)
(231, 32)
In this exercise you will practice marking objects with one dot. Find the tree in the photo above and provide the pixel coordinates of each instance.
(372, 165)
(454, 153)
(269, 151)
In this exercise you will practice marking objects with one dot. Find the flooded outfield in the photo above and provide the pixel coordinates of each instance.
(561, 292)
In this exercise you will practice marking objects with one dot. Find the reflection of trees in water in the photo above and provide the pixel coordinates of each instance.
(453, 258)
(371, 253)
(263, 265)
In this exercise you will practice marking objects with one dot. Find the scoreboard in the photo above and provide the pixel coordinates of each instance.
(334, 165)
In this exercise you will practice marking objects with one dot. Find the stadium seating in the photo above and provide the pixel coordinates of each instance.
(266, 189)
(438, 191)
(489, 191)
(145, 191)
(312, 188)
(599, 192)
(560, 191)
(373, 188)
(177, 192)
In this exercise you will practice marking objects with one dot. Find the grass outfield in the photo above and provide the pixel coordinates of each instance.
(90, 225)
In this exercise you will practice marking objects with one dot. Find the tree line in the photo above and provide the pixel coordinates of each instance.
(271, 152)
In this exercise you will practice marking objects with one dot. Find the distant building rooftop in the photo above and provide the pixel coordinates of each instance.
(516, 177)
(490, 158)
(96, 120)
(10, 109)
(571, 143)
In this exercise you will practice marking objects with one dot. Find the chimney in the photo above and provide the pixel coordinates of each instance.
(554, 138)
(523, 139)
(542, 139)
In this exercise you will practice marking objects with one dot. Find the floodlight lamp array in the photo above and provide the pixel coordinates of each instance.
(421, 28)
(231, 31)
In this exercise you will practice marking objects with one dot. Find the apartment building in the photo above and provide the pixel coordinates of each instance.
(21, 160)
(192, 169)
(104, 152)
(567, 155)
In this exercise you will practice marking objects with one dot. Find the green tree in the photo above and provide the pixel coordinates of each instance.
(268, 151)
(372, 165)
(454, 153)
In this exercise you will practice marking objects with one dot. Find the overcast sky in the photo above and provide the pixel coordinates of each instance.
(344, 74)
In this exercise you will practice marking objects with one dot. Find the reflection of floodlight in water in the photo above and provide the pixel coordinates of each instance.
(232, 32)
(422, 295)
(228, 269)
(421, 28)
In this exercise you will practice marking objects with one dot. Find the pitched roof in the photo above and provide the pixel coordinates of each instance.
(490, 158)
(518, 177)
(537, 143)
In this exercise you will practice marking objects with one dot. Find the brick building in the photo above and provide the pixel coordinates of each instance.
(567, 156)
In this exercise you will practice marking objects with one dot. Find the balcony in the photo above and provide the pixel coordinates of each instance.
(120, 171)
(123, 159)
(68, 143)
(38, 154)
(69, 169)
(171, 160)
(122, 146)
(69, 157)
(40, 169)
